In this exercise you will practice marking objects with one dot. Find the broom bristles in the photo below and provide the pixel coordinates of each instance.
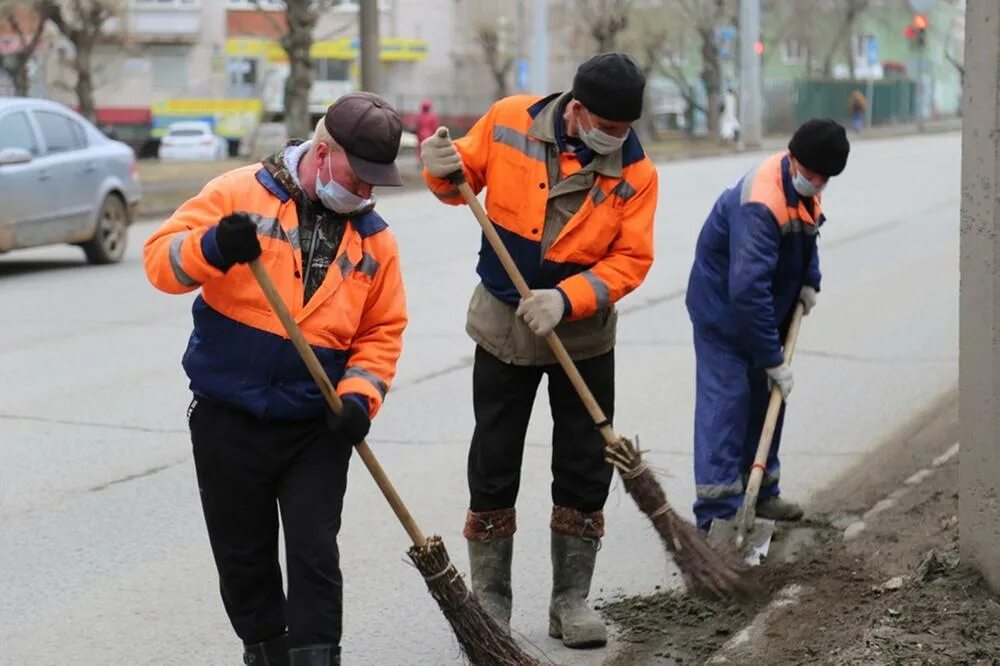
(700, 565)
(481, 639)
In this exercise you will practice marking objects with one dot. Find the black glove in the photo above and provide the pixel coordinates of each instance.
(353, 422)
(236, 237)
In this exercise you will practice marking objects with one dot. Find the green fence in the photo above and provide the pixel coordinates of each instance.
(891, 100)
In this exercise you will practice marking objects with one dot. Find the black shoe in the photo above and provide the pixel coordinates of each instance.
(269, 653)
(315, 655)
(775, 508)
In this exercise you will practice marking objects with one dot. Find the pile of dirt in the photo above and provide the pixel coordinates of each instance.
(896, 594)
(919, 604)
(676, 626)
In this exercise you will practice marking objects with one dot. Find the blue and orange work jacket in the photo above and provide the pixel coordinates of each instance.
(755, 252)
(238, 352)
(601, 253)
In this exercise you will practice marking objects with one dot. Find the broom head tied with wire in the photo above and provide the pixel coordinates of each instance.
(482, 640)
(702, 567)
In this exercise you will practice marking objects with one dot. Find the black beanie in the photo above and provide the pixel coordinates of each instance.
(610, 85)
(821, 146)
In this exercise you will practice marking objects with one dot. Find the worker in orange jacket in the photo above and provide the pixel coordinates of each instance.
(264, 440)
(572, 195)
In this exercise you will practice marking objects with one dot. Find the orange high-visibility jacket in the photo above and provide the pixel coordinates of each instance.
(601, 254)
(239, 353)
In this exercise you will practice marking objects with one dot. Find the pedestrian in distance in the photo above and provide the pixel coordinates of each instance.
(427, 122)
(858, 104)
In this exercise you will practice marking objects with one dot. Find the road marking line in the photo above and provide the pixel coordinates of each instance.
(753, 633)
(946, 456)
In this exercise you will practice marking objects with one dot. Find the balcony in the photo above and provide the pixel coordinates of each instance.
(166, 21)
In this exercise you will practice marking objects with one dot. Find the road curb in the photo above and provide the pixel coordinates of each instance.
(740, 648)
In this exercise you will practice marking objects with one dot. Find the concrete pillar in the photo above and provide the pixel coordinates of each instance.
(979, 367)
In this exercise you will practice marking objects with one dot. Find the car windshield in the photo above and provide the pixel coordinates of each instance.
(187, 132)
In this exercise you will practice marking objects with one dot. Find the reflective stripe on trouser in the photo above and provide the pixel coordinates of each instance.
(730, 406)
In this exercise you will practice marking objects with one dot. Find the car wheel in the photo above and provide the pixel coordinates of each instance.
(108, 244)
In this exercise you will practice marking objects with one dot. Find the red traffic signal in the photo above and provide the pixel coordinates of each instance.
(920, 21)
(758, 48)
(909, 32)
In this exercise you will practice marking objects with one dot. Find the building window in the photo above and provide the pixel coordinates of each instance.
(243, 72)
(170, 67)
(165, 4)
(859, 44)
(794, 52)
(254, 4)
(353, 5)
(328, 69)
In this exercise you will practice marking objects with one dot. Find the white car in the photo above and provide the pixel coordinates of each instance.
(192, 141)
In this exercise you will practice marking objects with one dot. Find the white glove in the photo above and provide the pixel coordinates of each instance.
(439, 154)
(542, 311)
(782, 376)
(808, 296)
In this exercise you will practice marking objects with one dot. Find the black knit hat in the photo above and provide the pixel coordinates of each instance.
(821, 146)
(610, 85)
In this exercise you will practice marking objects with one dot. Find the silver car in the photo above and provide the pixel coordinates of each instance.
(63, 181)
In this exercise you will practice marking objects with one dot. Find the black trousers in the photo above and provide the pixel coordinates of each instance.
(248, 471)
(503, 396)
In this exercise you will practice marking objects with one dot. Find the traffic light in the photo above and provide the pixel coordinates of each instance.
(920, 28)
(917, 30)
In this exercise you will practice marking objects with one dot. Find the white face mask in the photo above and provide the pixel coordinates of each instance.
(804, 187)
(336, 197)
(599, 141)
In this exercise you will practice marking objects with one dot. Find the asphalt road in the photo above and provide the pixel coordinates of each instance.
(103, 554)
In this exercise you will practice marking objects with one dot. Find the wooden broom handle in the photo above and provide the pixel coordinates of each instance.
(568, 366)
(773, 410)
(332, 399)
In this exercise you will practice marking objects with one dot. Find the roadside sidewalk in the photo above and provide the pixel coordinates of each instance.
(872, 578)
(167, 185)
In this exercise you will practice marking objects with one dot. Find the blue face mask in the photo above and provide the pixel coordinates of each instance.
(804, 187)
(336, 197)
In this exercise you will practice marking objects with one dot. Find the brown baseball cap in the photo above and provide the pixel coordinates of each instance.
(368, 128)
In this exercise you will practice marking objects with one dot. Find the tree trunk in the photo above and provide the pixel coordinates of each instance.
(710, 73)
(500, 78)
(297, 42)
(843, 33)
(84, 78)
(19, 74)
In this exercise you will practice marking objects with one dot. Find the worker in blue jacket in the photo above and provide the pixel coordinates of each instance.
(756, 258)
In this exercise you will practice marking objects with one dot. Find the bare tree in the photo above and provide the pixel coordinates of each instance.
(651, 38)
(703, 16)
(605, 20)
(499, 62)
(15, 64)
(84, 23)
(844, 34)
(301, 16)
(297, 26)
